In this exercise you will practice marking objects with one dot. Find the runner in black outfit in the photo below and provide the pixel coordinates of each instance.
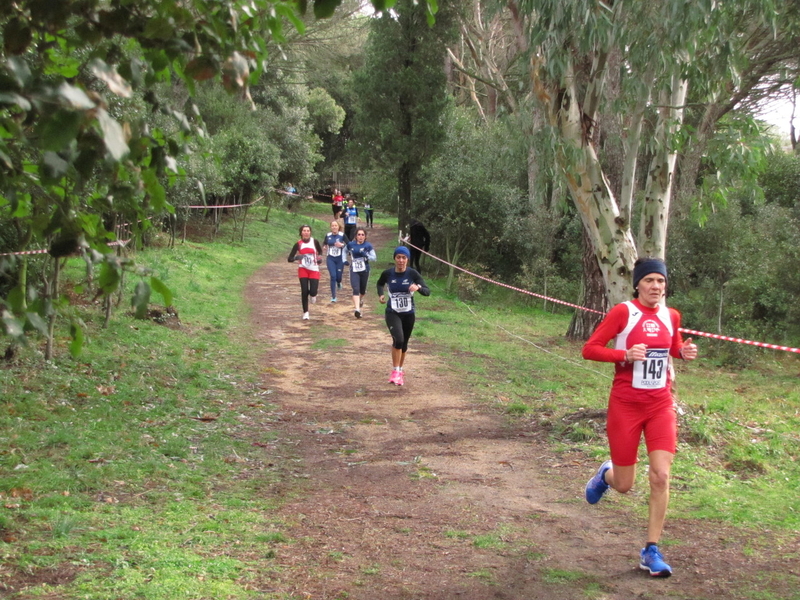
(400, 316)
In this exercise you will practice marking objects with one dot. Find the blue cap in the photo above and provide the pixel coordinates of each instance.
(402, 250)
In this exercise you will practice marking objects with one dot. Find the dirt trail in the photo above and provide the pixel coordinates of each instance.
(419, 492)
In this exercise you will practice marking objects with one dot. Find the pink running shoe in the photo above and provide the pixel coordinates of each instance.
(393, 376)
(400, 378)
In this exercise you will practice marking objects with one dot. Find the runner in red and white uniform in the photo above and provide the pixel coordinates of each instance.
(308, 253)
(337, 203)
(645, 334)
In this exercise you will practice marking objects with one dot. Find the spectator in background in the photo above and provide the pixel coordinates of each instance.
(419, 238)
(368, 212)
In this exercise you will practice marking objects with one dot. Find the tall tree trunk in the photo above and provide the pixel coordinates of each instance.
(658, 192)
(611, 237)
(51, 296)
(593, 294)
(404, 198)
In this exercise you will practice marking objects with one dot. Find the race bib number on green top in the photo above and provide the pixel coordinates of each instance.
(651, 373)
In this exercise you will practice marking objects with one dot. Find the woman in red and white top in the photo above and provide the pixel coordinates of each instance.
(308, 253)
(645, 334)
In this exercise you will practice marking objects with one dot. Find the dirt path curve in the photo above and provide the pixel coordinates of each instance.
(419, 492)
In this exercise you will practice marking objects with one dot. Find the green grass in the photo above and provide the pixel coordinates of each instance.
(132, 461)
(131, 466)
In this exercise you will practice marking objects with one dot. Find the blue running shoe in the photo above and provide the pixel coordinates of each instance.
(653, 561)
(597, 487)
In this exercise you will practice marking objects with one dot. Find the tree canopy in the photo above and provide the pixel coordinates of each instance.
(402, 94)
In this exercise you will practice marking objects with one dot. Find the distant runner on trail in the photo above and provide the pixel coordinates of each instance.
(360, 252)
(334, 246)
(308, 253)
(645, 334)
(337, 200)
(350, 217)
(402, 283)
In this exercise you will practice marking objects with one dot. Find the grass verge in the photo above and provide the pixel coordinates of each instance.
(131, 471)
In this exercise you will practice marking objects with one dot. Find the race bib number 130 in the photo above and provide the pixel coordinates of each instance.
(651, 373)
(401, 302)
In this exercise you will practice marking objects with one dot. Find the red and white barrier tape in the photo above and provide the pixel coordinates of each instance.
(501, 284)
(24, 252)
(125, 242)
(122, 243)
(557, 301)
(222, 205)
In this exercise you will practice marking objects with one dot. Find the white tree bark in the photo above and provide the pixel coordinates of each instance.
(610, 234)
(658, 191)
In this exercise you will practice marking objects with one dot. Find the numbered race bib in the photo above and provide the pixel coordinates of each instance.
(400, 302)
(309, 261)
(651, 373)
(334, 251)
(351, 220)
(359, 264)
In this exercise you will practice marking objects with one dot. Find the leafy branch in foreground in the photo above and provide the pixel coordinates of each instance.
(80, 81)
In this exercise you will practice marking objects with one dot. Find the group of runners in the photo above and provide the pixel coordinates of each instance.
(396, 285)
(645, 335)
(344, 206)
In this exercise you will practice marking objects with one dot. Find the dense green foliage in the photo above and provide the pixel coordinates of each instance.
(732, 274)
(97, 122)
(475, 203)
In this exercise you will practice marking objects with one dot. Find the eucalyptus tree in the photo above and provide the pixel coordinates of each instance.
(659, 48)
(402, 94)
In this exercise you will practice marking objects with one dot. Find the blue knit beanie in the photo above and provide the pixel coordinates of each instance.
(402, 250)
(647, 266)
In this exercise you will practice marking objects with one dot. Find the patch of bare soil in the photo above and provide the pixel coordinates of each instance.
(421, 492)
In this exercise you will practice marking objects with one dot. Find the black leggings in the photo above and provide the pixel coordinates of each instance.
(308, 287)
(414, 262)
(400, 326)
(358, 281)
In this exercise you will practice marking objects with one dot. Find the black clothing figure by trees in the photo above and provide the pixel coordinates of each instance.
(419, 237)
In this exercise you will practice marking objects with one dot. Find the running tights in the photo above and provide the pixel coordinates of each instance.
(308, 287)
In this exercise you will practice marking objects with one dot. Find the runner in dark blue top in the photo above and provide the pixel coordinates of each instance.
(334, 244)
(350, 216)
(360, 252)
(402, 283)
